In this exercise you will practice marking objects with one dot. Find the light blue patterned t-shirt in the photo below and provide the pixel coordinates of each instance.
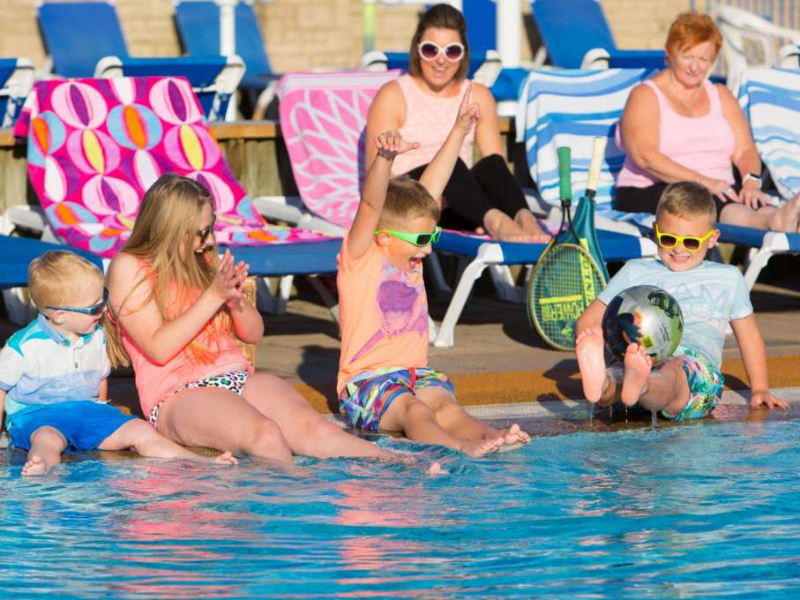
(710, 296)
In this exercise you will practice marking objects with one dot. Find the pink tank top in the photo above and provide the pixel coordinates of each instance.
(154, 382)
(429, 119)
(704, 144)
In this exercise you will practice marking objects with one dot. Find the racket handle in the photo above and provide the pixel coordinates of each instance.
(565, 172)
(598, 151)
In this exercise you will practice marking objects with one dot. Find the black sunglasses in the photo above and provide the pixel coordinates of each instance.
(206, 231)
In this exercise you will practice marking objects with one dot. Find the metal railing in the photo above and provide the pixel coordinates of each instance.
(785, 13)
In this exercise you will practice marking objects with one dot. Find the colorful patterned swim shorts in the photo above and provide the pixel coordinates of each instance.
(233, 381)
(364, 400)
(705, 386)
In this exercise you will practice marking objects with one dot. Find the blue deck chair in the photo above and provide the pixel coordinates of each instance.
(16, 80)
(78, 35)
(570, 29)
(198, 27)
(770, 99)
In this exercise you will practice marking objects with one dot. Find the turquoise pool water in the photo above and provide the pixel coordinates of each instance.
(683, 512)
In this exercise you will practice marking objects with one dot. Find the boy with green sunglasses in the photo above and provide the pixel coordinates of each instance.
(384, 382)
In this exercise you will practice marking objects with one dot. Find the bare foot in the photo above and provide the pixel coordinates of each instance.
(589, 350)
(514, 436)
(503, 228)
(226, 458)
(478, 448)
(786, 217)
(436, 469)
(34, 466)
(530, 225)
(637, 370)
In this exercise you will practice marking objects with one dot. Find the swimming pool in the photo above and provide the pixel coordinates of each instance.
(689, 511)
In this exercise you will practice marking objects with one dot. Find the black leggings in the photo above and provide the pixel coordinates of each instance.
(645, 200)
(471, 193)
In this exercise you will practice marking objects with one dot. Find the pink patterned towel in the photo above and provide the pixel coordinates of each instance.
(323, 118)
(96, 145)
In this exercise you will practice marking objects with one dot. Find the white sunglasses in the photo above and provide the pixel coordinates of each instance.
(431, 50)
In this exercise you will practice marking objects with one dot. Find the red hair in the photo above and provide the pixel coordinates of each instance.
(690, 29)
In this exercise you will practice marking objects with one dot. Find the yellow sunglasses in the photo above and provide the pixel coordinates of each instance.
(689, 242)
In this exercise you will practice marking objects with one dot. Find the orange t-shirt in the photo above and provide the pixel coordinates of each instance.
(383, 315)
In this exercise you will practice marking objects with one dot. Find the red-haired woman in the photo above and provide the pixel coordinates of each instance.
(678, 126)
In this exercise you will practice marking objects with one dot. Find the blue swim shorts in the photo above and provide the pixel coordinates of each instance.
(368, 396)
(84, 423)
(705, 386)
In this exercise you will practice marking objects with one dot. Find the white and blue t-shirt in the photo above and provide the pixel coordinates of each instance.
(710, 296)
(40, 366)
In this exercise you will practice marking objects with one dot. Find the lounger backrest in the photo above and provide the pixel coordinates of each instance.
(78, 34)
(198, 27)
(323, 118)
(96, 145)
(583, 20)
(571, 108)
(770, 99)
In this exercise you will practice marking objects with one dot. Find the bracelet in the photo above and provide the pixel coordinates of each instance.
(752, 177)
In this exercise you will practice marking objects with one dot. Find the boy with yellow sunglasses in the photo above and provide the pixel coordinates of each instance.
(711, 296)
(384, 380)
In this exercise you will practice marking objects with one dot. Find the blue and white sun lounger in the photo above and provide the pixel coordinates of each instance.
(16, 80)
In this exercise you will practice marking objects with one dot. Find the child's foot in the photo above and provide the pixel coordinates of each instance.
(637, 370)
(478, 448)
(589, 350)
(226, 458)
(436, 469)
(34, 466)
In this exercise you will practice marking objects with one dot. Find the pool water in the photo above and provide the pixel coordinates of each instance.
(690, 511)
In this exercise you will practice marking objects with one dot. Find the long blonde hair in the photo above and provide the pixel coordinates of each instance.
(168, 221)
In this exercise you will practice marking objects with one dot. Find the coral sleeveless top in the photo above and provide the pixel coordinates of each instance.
(429, 119)
(704, 144)
(155, 382)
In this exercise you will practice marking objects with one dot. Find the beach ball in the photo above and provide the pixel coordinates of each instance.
(645, 315)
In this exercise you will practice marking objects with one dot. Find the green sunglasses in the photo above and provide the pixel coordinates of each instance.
(418, 239)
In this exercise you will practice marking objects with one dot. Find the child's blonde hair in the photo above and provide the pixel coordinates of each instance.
(54, 277)
(687, 199)
(407, 199)
(168, 222)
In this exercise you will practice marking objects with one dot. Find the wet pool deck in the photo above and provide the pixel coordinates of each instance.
(500, 367)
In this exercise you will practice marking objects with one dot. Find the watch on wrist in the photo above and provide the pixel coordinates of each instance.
(752, 177)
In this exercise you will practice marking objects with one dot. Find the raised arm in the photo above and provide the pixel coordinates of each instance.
(754, 356)
(439, 170)
(388, 145)
(133, 306)
(640, 135)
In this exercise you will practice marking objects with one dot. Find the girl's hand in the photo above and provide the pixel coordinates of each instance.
(721, 189)
(227, 283)
(241, 270)
(468, 113)
(391, 143)
(764, 398)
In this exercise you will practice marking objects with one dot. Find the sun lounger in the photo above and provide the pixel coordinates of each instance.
(85, 39)
(93, 151)
(589, 43)
(16, 79)
(198, 24)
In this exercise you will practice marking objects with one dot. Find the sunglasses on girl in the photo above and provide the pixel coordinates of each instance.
(430, 51)
(206, 231)
(92, 311)
(418, 239)
(689, 242)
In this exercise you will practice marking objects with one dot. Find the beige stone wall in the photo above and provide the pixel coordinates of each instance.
(307, 34)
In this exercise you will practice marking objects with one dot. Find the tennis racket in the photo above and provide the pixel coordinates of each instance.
(584, 214)
(566, 279)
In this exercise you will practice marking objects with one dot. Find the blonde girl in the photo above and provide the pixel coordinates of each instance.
(175, 309)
